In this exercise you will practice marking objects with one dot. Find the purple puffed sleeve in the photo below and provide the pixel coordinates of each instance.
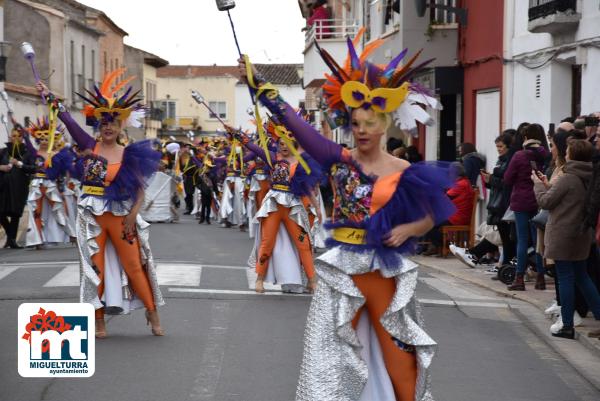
(83, 139)
(258, 151)
(324, 151)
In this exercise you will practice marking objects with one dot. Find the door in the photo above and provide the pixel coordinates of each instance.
(487, 125)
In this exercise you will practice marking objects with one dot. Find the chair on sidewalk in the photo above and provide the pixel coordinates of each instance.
(463, 236)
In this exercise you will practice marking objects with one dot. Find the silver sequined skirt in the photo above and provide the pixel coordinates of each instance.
(332, 368)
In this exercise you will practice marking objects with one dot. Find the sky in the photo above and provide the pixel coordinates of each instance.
(195, 32)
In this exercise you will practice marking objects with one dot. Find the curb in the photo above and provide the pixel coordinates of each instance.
(590, 343)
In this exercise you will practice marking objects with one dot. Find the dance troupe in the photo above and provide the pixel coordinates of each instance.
(364, 338)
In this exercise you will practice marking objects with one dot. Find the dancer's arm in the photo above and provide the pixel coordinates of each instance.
(324, 151)
(82, 138)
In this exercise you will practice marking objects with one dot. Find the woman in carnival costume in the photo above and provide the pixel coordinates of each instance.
(118, 273)
(48, 213)
(283, 241)
(363, 339)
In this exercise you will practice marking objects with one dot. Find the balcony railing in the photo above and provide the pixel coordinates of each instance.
(544, 8)
(181, 122)
(331, 29)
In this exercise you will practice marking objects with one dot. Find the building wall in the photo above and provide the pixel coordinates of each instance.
(111, 46)
(293, 94)
(85, 62)
(220, 88)
(480, 53)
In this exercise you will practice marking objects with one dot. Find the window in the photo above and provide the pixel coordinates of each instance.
(169, 108)
(72, 72)
(220, 108)
(150, 94)
(439, 16)
(391, 16)
(93, 76)
(83, 61)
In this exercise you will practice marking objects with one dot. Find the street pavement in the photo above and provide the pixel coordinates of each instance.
(224, 342)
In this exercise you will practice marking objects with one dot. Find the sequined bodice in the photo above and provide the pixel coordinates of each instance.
(94, 170)
(281, 173)
(353, 193)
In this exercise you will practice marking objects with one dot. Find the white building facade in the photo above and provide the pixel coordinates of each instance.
(552, 60)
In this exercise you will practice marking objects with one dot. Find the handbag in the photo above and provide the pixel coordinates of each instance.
(509, 216)
(541, 219)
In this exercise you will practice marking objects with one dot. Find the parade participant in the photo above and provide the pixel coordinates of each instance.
(366, 290)
(48, 221)
(188, 171)
(117, 268)
(16, 166)
(232, 209)
(283, 207)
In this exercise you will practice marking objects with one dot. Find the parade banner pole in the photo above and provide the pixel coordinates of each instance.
(29, 55)
(226, 5)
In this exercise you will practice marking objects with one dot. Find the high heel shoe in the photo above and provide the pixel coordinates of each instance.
(312, 285)
(100, 328)
(154, 322)
(259, 286)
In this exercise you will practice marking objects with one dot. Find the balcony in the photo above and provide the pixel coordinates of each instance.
(185, 123)
(331, 35)
(553, 16)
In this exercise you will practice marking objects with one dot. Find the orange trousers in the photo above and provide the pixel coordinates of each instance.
(37, 214)
(401, 365)
(269, 229)
(129, 255)
(260, 195)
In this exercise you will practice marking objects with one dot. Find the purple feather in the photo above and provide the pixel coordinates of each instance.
(62, 163)
(354, 60)
(140, 162)
(391, 67)
(302, 183)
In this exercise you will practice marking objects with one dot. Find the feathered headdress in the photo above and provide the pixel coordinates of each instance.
(383, 89)
(42, 129)
(105, 105)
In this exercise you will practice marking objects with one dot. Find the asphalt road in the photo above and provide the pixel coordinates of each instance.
(225, 343)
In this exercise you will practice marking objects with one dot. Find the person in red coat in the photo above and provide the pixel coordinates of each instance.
(320, 15)
(461, 195)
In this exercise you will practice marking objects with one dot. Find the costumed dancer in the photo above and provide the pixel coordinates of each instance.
(363, 339)
(259, 187)
(117, 269)
(48, 214)
(17, 163)
(283, 240)
(232, 209)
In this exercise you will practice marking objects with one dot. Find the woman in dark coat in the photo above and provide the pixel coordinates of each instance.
(16, 167)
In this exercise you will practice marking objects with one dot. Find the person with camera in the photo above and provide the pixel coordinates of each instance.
(566, 241)
(522, 199)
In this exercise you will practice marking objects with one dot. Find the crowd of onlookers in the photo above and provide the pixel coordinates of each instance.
(542, 202)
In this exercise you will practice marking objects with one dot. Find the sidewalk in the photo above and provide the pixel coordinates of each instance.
(539, 299)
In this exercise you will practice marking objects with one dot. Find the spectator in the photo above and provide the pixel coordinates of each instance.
(393, 144)
(16, 167)
(565, 241)
(592, 210)
(522, 198)
(499, 201)
(472, 161)
(320, 17)
(413, 155)
(461, 195)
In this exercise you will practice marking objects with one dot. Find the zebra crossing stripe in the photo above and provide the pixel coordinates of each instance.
(67, 277)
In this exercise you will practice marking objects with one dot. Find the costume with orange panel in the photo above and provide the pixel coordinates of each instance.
(48, 215)
(364, 315)
(283, 246)
(118, 273)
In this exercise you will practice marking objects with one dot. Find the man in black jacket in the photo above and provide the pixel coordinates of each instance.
(16, 167)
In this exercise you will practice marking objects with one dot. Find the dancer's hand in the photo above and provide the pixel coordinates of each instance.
(6, 168)
(399, 235)
(129, 226)
(242, 70)
(42, 88)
